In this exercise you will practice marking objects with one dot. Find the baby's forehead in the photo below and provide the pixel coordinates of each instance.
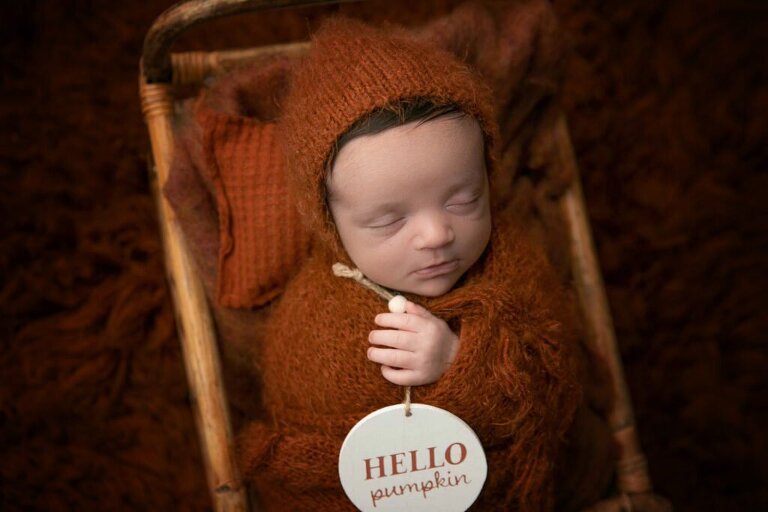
(442, 134)
(437, 154)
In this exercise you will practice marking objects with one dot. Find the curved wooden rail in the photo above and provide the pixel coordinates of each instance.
(156, 55)
(194, 67)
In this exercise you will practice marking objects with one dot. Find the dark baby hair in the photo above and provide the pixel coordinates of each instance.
(402, 112)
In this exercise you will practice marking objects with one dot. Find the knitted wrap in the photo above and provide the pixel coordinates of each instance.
(351, 70)
(514, 377)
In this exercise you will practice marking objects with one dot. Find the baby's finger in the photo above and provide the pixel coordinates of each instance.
(392, 357)
(400, 377)
(402, 321)
(416, 309)
(403, 340)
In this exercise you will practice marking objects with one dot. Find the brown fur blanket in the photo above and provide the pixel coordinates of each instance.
(664, 100)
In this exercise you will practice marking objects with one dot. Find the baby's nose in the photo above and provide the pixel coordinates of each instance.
(434, 231)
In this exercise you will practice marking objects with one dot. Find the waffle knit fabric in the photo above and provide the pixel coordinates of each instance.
(515, 377)
(261, 239)
(234, 144)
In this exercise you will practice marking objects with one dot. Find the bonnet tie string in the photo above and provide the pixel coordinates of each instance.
(342, 270)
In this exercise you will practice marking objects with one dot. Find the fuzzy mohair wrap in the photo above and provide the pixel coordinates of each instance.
(515, 378)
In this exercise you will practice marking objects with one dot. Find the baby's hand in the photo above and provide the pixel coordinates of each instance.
(416, 350)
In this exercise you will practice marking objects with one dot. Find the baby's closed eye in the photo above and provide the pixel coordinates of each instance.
(466, 204)
(385, 222)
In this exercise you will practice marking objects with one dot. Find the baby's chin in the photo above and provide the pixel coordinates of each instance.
(434, 287)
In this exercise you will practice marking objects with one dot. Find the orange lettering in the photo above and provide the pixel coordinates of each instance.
(397, 462)
(415, 462)
(432, 464)
(462, 451)
(380, 467)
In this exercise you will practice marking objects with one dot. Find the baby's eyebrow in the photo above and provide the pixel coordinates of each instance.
(469, 180)
(379, 209)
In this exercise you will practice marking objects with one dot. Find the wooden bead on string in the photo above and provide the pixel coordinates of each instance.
(397, 304)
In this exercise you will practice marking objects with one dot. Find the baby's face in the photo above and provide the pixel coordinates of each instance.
(411, 203)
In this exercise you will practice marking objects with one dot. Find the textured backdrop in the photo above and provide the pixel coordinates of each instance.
(667, 102)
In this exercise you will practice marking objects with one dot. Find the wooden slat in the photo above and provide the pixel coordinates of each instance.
(156, 54)
(194, 67)
(632, 470)
(193, 320)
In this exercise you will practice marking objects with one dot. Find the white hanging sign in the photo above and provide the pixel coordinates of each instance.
(428, 461)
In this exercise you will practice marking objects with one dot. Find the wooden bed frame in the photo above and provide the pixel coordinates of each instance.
(160, 72)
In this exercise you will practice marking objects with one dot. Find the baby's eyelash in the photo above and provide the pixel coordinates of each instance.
(387, 225)
(474, 199)
(467, 202)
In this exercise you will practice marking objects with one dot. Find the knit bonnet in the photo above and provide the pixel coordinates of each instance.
(351, 70)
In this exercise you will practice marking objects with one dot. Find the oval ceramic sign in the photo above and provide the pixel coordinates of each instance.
(428, 461)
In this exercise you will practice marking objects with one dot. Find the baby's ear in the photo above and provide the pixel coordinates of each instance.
(513, 45)
(255, 91)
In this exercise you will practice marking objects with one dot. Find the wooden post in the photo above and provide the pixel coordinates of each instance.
(193, 319)
(632, 471)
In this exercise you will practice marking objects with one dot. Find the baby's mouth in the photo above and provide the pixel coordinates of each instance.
(438, 269)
